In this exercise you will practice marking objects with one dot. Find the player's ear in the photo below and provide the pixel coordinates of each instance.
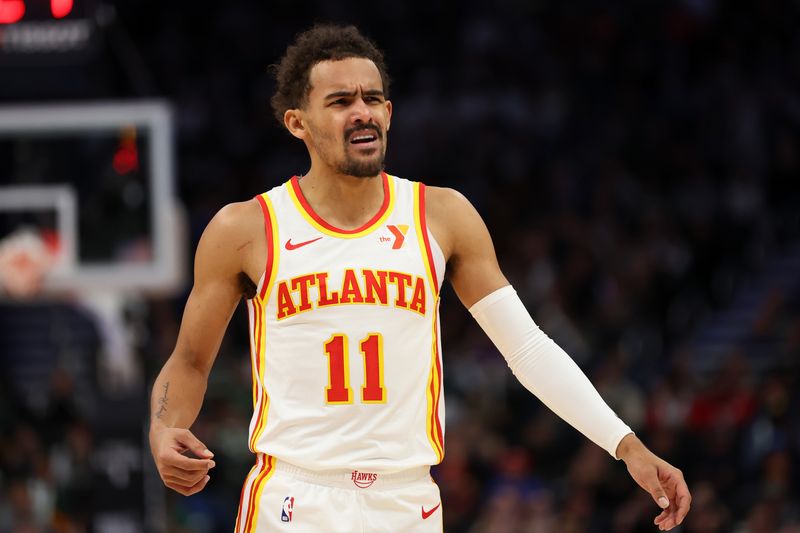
(388, 114)
(293, 120)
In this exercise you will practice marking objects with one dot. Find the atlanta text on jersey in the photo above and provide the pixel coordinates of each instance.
(365, 287)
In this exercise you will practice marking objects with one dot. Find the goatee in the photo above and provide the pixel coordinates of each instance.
(362, 169)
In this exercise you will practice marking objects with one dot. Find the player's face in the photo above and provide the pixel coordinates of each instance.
(347, 117)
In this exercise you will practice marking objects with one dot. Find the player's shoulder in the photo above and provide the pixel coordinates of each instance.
(450, 215)
(238, 212)
(444, 200)
(235, 221)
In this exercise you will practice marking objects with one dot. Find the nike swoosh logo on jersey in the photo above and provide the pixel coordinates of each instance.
(426, 514)
(294, 246)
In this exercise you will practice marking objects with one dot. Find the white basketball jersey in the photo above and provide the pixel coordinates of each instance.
(347, 370)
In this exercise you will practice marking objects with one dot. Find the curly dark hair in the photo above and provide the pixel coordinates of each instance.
(323, 42)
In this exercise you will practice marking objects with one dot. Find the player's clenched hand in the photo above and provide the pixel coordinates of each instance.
(186, 475)
(660, 479)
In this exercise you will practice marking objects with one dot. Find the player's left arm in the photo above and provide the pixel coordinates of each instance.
(534, 358)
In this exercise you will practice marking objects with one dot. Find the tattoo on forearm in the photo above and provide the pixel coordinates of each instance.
(162, 402)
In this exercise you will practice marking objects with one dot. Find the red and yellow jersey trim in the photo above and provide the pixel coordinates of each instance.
(422, 237)
(433, 424)
(273, 245)
(434, 388)
(258, 360)
(305, 209)
(256, 307)
(251, 493)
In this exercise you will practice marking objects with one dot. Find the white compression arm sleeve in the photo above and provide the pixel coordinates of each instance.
(546, 370)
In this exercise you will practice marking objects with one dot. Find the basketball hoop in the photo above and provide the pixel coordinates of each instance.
(25, 260)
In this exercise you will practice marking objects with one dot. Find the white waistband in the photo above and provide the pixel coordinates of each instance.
(354, 479)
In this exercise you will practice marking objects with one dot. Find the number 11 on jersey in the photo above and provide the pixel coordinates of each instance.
(338, 390)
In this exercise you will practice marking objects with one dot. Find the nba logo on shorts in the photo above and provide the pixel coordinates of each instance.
(288, 506)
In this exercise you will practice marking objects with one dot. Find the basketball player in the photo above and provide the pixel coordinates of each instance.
(341, 269)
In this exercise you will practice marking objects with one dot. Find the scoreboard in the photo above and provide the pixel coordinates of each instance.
(12, 11)
(41, 31)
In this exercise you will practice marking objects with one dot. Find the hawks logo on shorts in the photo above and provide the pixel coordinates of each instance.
(363, 480)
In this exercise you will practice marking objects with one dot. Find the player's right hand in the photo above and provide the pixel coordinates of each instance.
(184, 474)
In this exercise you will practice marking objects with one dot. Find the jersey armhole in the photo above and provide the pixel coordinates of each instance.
(432, 252)
(438, 257)
(270, 233)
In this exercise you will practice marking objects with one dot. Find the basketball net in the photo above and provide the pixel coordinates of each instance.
(25, 260)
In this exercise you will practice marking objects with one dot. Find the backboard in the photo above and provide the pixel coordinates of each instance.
(94, 182)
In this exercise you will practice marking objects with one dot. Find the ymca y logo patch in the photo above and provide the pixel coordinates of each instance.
(397, 237)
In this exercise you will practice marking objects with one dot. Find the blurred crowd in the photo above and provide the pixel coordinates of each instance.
(46, 460)
(637, 166)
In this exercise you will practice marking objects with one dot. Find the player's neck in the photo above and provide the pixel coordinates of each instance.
(344, 201)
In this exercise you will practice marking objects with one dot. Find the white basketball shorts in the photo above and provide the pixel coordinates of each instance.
(279, 497)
